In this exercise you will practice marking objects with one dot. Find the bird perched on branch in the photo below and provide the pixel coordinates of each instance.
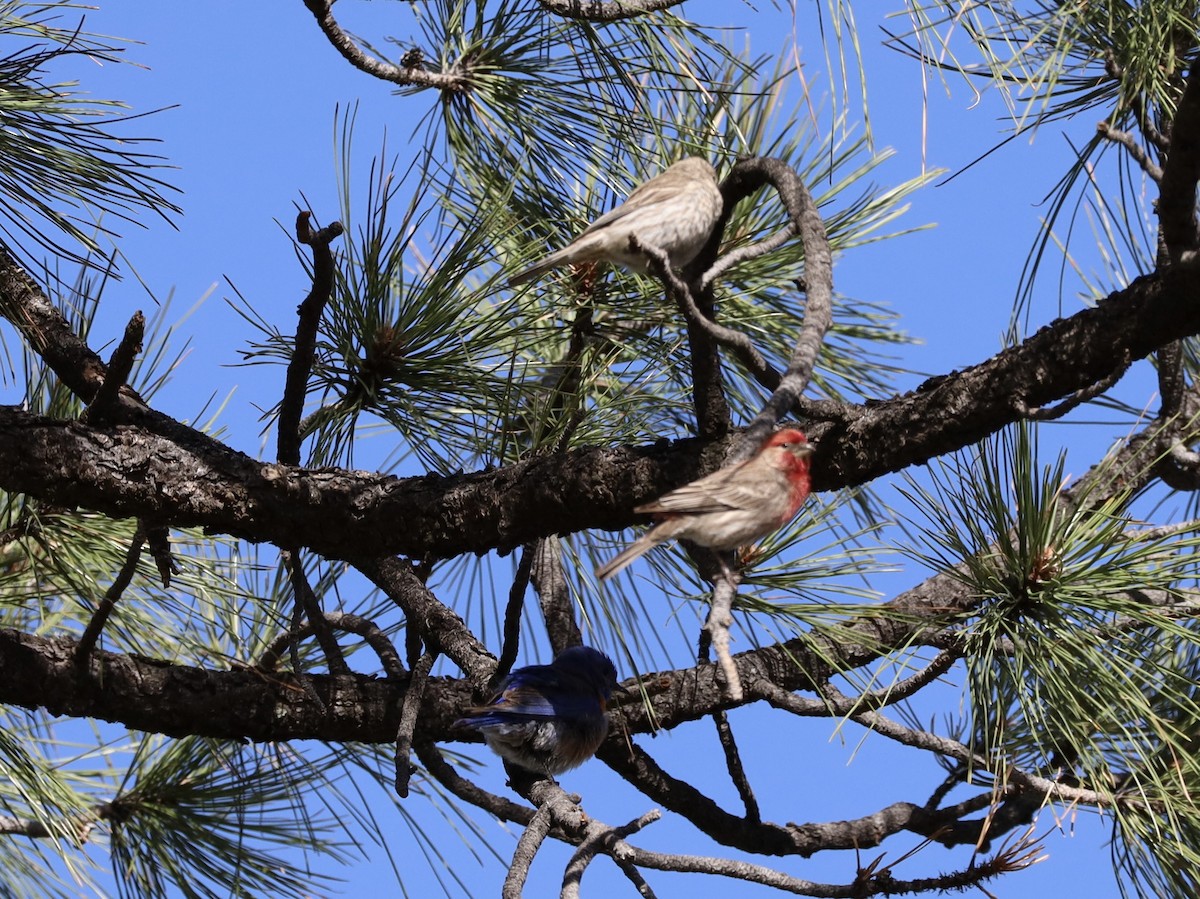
(732, 507)
(549, 718)
(675, 211)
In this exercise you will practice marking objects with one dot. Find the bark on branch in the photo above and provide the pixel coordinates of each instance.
(180, 478)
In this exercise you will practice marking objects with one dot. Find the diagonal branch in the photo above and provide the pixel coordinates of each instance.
(1135, 150)
(124, 578)
(439, 626)
(120, 364)
(1181, 172)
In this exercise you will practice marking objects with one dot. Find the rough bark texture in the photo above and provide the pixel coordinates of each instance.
(128, 470)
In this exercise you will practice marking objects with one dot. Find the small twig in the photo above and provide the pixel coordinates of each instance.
(307, 602)
(81, 824)
(785, 701)
(954, 749)
(291, 407)
(158, 539)
(737, 771)
(571, 824)
(1059, 409)
(741, 254)
(100, 617)
(979, 871)
(733, 759)
(527, 846)
(104, 403)
(750, 357)
(512, 615)
(599, 840)
(720, 618)
(1145, 124)
(371, 633)
(1135, 150)
(835, 704)
(408, 722)
(1162, 531)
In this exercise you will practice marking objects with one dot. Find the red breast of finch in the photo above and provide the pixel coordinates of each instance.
(674, 212)
(733, 507)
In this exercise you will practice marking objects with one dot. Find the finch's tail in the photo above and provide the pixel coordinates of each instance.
(587, 247)
(532, 272)
(627, 556)
(564, 256)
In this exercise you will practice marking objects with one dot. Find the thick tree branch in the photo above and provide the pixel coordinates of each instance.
(177, 481)
(605, 10)
(47, 332)
(178, 700)
(1181, 173)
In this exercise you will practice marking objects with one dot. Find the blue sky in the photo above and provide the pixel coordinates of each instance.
(255, 87)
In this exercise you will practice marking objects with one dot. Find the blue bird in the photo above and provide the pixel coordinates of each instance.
(549, 718)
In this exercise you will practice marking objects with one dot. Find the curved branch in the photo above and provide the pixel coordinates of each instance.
(1132, 147)
(729, 338)
(413, 73)
(748, 175)
(371, 633)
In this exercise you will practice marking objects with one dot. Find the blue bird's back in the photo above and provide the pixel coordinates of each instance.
(549, 718)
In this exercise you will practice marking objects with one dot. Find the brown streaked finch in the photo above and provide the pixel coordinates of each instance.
(732, 507)
(675, 212)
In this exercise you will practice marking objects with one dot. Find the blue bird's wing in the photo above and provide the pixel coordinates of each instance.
(539, 695)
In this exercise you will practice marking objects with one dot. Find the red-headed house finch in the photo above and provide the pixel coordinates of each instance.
(732, 507)
(674, 212)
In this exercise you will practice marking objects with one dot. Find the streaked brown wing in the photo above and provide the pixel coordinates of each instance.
(718, 492)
